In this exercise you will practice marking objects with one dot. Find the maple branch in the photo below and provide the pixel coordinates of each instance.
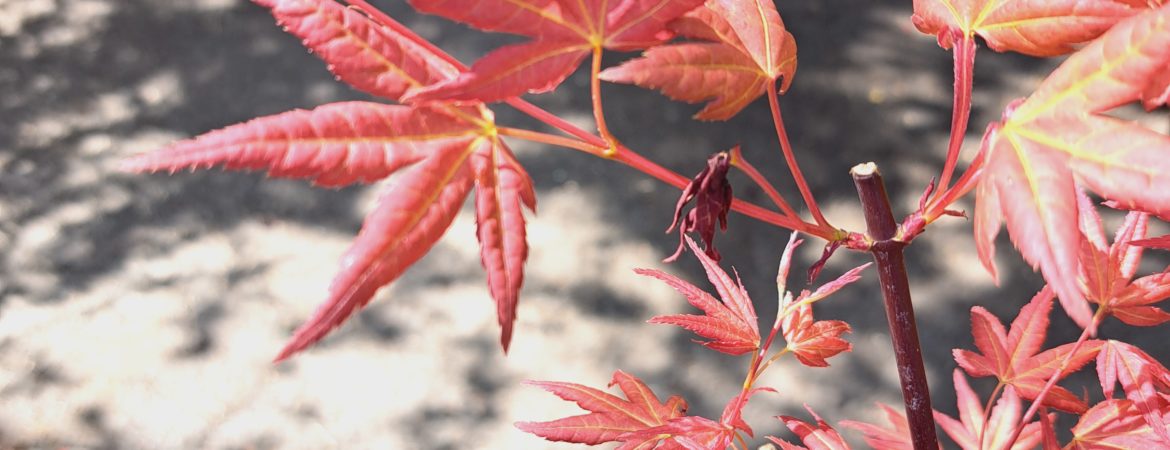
(887, 253)
(790, 158)
(961, 108)
(550, 139)
(516, 102)
(595, 94)
(741, 163)
(1036, 404)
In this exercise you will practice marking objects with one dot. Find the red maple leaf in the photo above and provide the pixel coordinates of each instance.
(814, 437)
(1117, 424)
(731, 325)
(812, 342)
(747, 50)
(437, 154)
(1059, 137)
(1038, 28)
(1142, 378)
(610, 418)
(972, 433)
(897, 437)
(1107, 271)
(563, 32)
(1011, 356)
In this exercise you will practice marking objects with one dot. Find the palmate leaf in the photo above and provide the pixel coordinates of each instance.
(1141, 377)
(1116, 424)
(563, 33)
(610, 418)
(749, 50)
(731, 325)
(1012, 356)
(896, 437)
(970, 432)
(1032, 27)
(438, 155)
(1058, 138)
(437, 152)
(814, 437)
(1107, 270)
(369, 57)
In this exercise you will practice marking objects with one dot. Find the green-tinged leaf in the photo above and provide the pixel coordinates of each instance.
(1057, 138)
(1032, 27)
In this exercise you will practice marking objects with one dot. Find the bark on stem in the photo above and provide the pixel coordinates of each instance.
(887, 253)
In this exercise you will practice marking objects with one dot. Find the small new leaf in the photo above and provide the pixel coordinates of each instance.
(731, 325)
(820, 436)
(897, 437)
(610, 418)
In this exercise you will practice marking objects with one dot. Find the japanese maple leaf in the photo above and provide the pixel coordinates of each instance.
(1032, 27)
(972, 433)
(812, 342)
(610, 418)
(712, 195)
(1117, 424)
(897, 437)
(746, 50)
(437, 154)
(1107, 270)
(1142, 378)
(1059, 137)
(1011, 356)
(563, 32)
(731, 325)
(814, 437)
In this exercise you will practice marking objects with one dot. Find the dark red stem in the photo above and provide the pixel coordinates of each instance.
(887, 253)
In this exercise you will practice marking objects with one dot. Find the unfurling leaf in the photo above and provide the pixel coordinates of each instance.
(970, 432)
(610, 418)
(1011, 356)
(712, 195)
(1059, 137)
(562, 34)
(814, 437)
(747, 52)
(731, 325)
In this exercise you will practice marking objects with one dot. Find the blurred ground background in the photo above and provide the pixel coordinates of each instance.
(141, 312)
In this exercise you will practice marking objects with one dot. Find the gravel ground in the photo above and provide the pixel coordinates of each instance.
(141, 312)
